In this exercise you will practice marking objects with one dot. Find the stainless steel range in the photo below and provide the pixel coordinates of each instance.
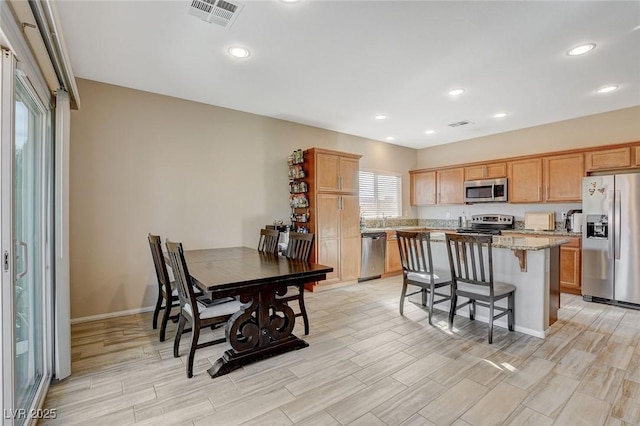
(491, 224)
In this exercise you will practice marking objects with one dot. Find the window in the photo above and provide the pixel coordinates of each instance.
(380, 194)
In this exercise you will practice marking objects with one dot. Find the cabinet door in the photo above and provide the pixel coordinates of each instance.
(608, 159)
(327, 172)
(328, 233)
(486, 171)
(392, 261)
(563, 177)
(423, 188)
(570, 267)
(350, 239)
(525, 181)
(348, 178)
(496, 170)
(475, 172)
(450, 186)
(637, 156)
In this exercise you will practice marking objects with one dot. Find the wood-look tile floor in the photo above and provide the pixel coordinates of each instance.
(366, 365)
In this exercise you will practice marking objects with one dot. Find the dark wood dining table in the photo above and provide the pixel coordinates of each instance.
(263, 327)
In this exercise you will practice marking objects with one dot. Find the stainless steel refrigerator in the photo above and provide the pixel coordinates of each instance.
(611, 238)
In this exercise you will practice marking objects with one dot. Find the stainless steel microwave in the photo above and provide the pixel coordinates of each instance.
(485, 191)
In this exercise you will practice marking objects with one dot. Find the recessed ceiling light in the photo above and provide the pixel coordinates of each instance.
(239, 52)
(607, 89)
(390, 138)
(380, 117)
(456, 92)
(430, 132)
(289, 1)
(500, 115)
(582, 49)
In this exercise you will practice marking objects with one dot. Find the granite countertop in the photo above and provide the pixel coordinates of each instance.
(516, 243)
(556, 233)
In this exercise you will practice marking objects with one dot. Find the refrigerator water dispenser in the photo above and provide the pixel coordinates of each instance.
(597, 226)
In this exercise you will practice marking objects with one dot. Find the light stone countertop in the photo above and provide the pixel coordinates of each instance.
(511, 242)
(505, 233)
(516, 243)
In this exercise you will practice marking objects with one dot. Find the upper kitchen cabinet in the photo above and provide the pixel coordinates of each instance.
(637, 156)
(433, 187)
(608, 159)
(335, 171)
(563, 177)
(450, 184)
(553, 179)
(423, 188)
(525, 180)
(485, 171)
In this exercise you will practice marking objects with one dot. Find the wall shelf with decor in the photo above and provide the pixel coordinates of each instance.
(298, 189)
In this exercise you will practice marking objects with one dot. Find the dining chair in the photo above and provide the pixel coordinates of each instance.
(167, 293)
(192, 310)
(472, 273)
(299, 248)
(268, 242)
(418, 270)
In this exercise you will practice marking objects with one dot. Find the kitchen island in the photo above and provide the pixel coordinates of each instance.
(532, 264)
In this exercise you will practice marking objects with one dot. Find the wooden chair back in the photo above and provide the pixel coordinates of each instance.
(182, 277)
(468, 261)
(161, 267)
(300, 246)
(268, 241)
(415, 251)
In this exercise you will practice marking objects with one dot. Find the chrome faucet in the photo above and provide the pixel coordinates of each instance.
(384, 220)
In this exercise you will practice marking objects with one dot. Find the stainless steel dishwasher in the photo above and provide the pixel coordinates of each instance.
(374, 245)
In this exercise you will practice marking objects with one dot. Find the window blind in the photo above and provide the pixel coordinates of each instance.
(380, 194)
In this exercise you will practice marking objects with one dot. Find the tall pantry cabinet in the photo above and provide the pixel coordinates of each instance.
(335, 212)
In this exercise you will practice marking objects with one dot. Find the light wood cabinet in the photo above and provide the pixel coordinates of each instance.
(525, 180)
(485, 171)
(437, 187)
(571, 267)
(423, 188)
(338, 236)
(450, 183)
(335, 209)
(608, 159)
(637, 156)
(563, 177)
(555, 178)
(392, 262)
(336, 173)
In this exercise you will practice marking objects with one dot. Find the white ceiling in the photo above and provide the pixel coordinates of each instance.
(336, 64)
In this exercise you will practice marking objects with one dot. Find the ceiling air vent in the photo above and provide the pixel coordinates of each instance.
(460, 123)
(221, 12)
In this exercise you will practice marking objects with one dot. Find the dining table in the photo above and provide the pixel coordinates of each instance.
(263, 327)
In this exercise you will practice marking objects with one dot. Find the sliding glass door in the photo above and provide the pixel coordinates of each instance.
(29, 217)
(26, 154)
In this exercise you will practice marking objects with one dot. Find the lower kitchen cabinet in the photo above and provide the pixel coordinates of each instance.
(392, 262)
(338, 236)
(571, 267)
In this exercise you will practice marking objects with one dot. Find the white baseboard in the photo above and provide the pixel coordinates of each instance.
(112, 315)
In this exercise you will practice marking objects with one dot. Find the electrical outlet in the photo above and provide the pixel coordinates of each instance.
(564, 215)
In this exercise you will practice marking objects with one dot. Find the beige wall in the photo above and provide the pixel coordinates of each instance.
(601, 129)
(203, 175)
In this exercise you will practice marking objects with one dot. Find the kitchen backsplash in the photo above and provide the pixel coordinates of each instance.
(390, 222)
